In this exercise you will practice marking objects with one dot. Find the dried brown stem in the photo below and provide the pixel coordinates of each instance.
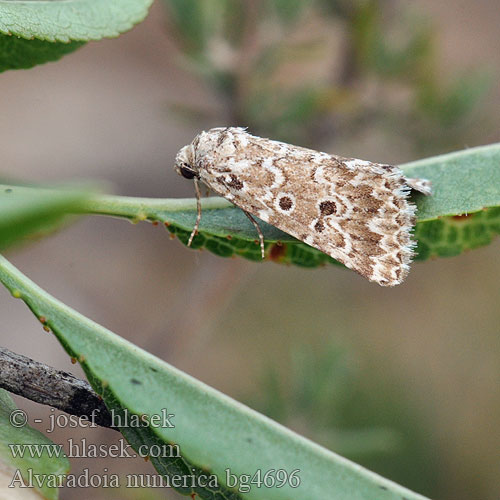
(46, 385)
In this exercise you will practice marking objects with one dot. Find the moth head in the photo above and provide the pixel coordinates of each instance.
(185, 163)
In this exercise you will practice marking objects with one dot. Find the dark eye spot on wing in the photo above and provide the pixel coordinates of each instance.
(319, 226)
(327, 207)
(285, 203)
(235, 183)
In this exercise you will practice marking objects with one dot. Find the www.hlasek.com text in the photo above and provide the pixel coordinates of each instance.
(80, 448)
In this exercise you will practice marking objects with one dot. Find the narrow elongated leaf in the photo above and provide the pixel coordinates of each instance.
(15, 459)
(215, 434)
(31, 212)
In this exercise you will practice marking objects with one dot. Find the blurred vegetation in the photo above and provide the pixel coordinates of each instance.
(328, 394)
(317, 71)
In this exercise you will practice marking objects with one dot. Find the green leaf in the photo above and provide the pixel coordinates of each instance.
(214, 432)
(31, 212)
(462, 183)
(19, 53)
(65, 20)
(35, 31)
(464, 211)
(459, 215)
(46, 465)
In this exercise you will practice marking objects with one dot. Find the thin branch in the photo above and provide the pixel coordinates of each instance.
(46, 385)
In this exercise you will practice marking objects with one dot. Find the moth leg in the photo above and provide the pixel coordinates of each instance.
(421, 185)
(194, 232)
(261, 236)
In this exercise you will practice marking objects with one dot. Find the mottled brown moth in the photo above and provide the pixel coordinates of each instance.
(356, 211)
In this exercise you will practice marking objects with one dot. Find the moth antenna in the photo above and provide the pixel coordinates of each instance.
(261, 236)
(198, 210)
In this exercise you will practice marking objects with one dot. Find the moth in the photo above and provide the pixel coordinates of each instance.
(356, 211)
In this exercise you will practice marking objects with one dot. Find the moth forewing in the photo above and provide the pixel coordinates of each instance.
(353, 210)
